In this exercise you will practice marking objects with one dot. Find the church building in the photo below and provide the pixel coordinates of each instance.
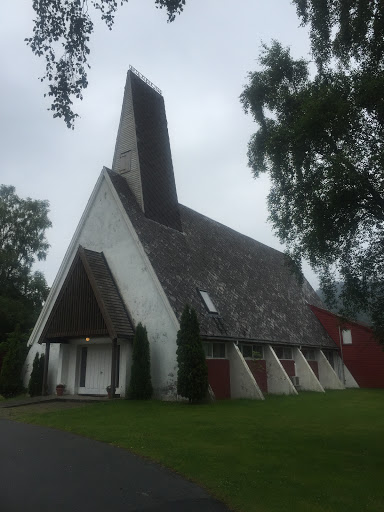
(139, 256)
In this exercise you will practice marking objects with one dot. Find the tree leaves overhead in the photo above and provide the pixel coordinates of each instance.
(321, 141)
(61, 35)
(350, 31)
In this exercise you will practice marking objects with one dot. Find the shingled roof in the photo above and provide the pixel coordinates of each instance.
(255, 293)
(108, 295)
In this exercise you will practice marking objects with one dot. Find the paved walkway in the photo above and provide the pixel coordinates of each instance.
(43, 470)
(19, 402)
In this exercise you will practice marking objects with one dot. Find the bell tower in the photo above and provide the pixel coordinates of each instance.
(143, 153)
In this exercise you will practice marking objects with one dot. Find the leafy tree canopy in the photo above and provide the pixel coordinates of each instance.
(10, 373)
(350, 31)
(61, 35)
(23, 223)
(320, 139)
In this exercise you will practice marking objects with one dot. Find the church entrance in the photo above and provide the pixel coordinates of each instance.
(95, 369)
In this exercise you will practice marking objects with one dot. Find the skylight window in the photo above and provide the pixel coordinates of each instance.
(208, 302)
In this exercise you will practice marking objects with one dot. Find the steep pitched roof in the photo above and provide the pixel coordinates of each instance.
(256, 295)
(89, 302)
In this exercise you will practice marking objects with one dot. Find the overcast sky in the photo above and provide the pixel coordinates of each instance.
(200, 62)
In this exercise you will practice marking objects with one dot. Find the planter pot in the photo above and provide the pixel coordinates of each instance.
(59, 391)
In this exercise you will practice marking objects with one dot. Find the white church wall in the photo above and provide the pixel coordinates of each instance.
(37, 348)
(278, 381)
(243, 383)
(107, 229)
(327, 375)
(308, 380)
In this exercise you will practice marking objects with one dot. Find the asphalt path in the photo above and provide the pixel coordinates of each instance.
(42, 469)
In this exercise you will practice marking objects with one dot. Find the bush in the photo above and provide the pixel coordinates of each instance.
(140, 386)
(35, 385)
(192, 374)
(10, 375)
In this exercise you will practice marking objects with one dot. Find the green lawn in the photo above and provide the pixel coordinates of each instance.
(314, 452)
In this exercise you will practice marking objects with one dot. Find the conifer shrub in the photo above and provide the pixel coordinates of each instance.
(192, 375)
(36, 380)
(140, 386)
(10, 374)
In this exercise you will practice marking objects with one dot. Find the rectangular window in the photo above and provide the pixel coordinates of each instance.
(347, 337)
(283, 352)
(309, 354)
(214, 350)
(207, 349)
(218, 350)
(329, 355)
(246, 350)
(251, 351)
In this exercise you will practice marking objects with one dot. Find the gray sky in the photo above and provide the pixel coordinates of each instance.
(200, 62)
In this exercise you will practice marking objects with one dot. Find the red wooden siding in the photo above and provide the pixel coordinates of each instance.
(219, 378)
(365, 357)
(259, 371)
(315, 367)
(289, 367)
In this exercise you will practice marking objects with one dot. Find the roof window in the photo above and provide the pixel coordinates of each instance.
(208, 302)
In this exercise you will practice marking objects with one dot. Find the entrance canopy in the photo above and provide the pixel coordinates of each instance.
(89, 303)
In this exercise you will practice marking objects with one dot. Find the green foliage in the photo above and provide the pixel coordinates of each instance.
(35, 385)
(140, 386)
(339, 306)
(68, 25)
(192, 374)
(10, 373)
(23, 223)
(350, 31)
(320, 140)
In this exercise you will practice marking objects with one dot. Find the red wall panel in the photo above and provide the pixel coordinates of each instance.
(315, 367)
(289, 367)
(219, 378)
(259, 371)
(365, 357)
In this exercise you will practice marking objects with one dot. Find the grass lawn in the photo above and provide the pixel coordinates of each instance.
(312, 452)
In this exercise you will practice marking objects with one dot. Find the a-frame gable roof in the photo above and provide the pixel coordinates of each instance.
(89, 303)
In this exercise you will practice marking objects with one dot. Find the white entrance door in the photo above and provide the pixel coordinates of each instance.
(95, 369)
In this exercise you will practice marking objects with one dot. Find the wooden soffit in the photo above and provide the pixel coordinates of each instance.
(89, 303)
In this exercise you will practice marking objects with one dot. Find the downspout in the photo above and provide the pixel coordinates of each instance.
(341, 352)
